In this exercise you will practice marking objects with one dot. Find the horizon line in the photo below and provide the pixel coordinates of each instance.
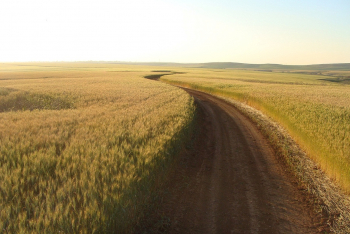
(139, 62)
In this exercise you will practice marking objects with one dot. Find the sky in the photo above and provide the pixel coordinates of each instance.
(185, 31)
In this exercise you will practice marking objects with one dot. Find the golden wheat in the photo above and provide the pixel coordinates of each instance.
(81, 145)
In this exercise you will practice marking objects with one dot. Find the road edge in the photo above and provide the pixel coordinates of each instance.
(328, 199)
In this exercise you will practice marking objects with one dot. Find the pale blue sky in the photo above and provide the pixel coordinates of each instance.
(250, 31)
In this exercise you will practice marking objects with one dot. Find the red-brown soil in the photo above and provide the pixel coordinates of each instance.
(230, 181)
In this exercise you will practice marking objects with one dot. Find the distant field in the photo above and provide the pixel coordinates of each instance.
(230, 65)
(315, 109)
(82, 145)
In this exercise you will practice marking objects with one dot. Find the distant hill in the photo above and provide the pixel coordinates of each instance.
(336, 66)
(231, 65)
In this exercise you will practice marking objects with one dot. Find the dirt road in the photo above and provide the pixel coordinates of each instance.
(230, 181)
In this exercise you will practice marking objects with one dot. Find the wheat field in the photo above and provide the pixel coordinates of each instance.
(315, 109)
(83, 145)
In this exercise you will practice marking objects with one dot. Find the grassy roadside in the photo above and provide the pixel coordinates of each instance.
(153, 219)
(315, 112)
(330, 199)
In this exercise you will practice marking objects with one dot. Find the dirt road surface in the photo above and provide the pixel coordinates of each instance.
(230, 181)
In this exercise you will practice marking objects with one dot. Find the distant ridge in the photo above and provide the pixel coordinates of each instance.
(231, 65)
(335, 66)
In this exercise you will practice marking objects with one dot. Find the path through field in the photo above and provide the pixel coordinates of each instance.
(230, 181)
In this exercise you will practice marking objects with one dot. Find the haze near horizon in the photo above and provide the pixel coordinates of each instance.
(191, 31)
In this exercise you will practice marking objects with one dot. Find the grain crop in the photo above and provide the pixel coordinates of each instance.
(82, 145)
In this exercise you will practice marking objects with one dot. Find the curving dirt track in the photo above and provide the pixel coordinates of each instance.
(230, 181)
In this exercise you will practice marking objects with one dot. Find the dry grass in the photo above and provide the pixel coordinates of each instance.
(330, 200)
(83, 145)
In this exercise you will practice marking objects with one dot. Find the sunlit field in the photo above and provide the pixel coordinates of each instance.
(83, 146)
(314, 109)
